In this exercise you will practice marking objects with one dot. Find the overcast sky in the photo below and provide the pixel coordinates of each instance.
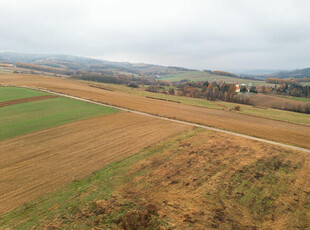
(203, 34)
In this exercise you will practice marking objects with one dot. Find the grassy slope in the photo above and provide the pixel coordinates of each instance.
(5, 70)
(302, 99)
(296, 98)
(33, 116)
(163, 185)
(12, 93)
(274, 114)
(204, 76)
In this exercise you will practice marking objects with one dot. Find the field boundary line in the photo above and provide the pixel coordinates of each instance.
(26, 100)
(175, 120)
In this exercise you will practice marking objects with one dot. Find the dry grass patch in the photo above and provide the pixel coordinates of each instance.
(199, 180)
(36, 163)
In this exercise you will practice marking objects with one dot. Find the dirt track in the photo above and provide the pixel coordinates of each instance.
(36, 163)
(184, 122)
(258, 127)
(25, 100)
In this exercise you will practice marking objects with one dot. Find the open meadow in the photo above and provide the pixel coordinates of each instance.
(69, 164)
(22, 118)
(258, 126)
(205, 76)
(154, 115)
(13, 93)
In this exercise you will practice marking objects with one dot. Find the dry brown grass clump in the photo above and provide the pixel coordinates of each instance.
(210, 181)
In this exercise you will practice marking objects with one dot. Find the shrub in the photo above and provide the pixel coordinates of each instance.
(237, 108)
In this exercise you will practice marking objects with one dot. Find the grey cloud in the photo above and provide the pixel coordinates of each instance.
(223, 34)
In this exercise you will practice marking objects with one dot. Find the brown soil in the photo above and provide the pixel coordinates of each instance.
(25, 100)
(208, 181)
(260, 127)
(36, 163)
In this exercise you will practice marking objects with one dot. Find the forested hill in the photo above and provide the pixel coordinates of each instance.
(69, 62)
(298, 73)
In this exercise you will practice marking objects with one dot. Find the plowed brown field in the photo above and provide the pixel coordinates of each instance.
(25, 100)
(36, 163)
(260, 127)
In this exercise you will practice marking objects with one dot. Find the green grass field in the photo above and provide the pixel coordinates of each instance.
(298, 98)
(12, 93)
(204, 76)
(302, 99)
(24, 118)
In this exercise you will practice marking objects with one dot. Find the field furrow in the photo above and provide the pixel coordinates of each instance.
(279, 131)
(36, 163)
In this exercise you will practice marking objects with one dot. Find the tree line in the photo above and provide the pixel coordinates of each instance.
(43, 68)
(280, 81)
(222, 73)
(213, 91)
(121, 80)
(287, 81)
(295, 90)
(226, 92)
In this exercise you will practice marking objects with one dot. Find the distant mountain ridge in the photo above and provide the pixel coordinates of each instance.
(262, 71)
(298, 73)
(71, 62)
(77, 63)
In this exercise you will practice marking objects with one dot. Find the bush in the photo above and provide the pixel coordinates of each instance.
(237, 108)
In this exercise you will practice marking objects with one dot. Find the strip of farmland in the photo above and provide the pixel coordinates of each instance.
(36, 163)
(25, 100)
(14, 93)
(278, 131)
(23, 118)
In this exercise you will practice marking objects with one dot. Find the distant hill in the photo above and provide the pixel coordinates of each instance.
(75, 63)
(298, 73)
(261, 71)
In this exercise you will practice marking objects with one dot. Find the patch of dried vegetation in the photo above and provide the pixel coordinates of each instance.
(210, 181)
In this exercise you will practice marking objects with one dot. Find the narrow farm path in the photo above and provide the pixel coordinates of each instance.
(179, 121)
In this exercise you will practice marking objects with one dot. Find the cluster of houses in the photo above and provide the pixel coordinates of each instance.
(241, 86)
